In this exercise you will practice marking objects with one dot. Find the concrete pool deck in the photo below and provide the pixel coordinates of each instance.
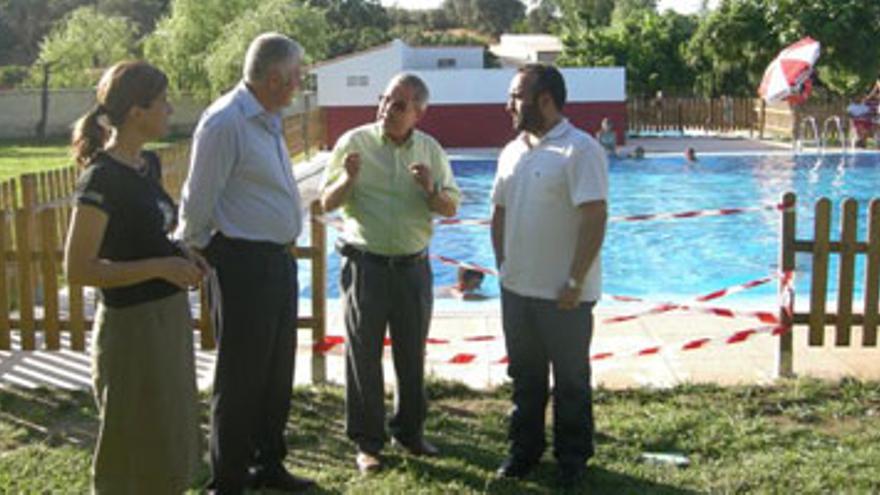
(752, 361)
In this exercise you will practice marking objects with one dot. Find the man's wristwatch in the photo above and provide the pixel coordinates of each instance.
(571, 283)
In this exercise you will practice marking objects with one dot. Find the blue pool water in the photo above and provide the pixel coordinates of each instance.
(676, 259)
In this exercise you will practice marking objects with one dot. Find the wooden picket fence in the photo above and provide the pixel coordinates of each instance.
(783, 120)
(847, 247)
(724, 114)
(36, 213)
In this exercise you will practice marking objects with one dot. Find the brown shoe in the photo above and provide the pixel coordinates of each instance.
(420, 447)
(368, 463)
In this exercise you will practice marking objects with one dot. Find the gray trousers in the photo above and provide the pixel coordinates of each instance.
(539, 336)
(377, 296)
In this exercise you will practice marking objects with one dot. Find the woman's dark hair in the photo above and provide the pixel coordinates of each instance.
(547, 78)
(123, 86)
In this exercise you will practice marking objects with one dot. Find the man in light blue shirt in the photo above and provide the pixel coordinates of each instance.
(241, 206)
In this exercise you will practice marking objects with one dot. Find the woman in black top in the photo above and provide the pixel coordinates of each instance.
(143, 365)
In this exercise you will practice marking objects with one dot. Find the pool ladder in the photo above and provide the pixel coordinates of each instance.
(832, 125)
(837, 128)
(802, 135)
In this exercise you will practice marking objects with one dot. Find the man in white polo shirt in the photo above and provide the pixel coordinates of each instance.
(548, 225)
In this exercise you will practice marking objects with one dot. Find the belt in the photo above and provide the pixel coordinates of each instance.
(391, 261)
(259, 246)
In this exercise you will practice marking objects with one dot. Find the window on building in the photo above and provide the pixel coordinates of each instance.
(353, 81)
(445, 63)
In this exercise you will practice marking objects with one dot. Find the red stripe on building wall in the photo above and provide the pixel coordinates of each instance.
(476, 126)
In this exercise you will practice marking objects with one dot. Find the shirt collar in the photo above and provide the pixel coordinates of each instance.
(559, 130)
(379, 133)
(251, 107)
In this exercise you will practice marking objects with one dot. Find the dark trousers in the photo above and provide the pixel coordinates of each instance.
(379, 296)
(539, 336)
(256, 348)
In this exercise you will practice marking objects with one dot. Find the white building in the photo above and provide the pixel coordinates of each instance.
(516, 50)
(467, 102)
(360, 77)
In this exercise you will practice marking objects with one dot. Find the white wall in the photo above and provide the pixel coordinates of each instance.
(480, 86)
(20, 112)
(599, 84)
(378, 66)
(425, 58)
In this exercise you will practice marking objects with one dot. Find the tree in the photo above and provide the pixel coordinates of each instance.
(143, 13)
(624, 9)
(735, 43)
(649, 45)
(81, 46)
(732, 47)
(585, 14)
(541, 18)
(26, 23)
(357, 24)
(182, 41)
(849, 31)
(489, 16)
(307, 25)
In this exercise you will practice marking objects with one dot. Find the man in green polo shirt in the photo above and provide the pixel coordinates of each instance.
(390, 180)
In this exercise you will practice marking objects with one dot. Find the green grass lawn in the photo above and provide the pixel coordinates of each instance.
(801, 436)
(21, 157)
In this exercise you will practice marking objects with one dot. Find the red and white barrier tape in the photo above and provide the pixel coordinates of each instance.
(695, 213)
(737, 337)
(638, 218)
(483, 222)
(664, 307)
(763, 316)
(694, 344)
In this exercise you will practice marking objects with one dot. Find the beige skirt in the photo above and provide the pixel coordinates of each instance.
(145, 387)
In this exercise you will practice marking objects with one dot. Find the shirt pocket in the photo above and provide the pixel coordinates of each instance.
(547, 184)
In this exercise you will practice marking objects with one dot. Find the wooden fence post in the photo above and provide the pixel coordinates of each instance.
(319, 296)
(785, 356)
(845, 285)
(763, 119)
(206, 324)
(819, 285)
(872, 275)
(24, 244)
(49, 262)
(5, 343)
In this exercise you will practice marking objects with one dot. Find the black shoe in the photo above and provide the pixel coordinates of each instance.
(514, 467)
(418, 448)
(281, 480)
(570, 475)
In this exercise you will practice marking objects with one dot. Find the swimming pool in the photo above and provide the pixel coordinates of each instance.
(676, 259)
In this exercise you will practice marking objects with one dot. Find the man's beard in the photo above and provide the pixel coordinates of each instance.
(530, 120)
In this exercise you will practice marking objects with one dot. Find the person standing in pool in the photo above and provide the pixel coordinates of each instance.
(390, 180)
(548, 224)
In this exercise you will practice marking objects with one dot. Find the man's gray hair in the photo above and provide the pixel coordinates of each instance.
(420, 89)
(266, 51)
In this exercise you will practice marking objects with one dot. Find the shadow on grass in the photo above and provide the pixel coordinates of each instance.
(53, 417)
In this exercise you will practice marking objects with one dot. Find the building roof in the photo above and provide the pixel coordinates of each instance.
(395, 43)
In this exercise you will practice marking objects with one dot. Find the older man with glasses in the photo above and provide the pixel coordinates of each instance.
(390, 180)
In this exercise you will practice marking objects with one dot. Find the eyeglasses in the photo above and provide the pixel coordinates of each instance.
(394, 105)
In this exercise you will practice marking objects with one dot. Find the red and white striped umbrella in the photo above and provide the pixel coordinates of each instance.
(788, 74)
